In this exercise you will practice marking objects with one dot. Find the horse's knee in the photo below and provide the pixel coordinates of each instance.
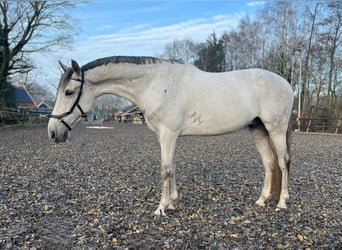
(284, 163)
(167, 172)
(269, 164)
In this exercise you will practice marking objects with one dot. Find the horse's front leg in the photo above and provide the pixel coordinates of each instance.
(167, 140)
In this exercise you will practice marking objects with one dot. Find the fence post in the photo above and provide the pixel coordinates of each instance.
(308, 127)
(338, 125)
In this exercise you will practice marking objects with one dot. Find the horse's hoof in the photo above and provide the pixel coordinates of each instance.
(281, 205)
(160, 212)
(171, 207)
(260, 203)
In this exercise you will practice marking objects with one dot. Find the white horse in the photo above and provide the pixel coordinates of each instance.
(178, 99)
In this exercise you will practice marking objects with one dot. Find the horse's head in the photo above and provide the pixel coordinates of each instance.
(74, 100)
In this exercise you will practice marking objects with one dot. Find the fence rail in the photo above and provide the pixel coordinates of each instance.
(324, 125)
(8, 118)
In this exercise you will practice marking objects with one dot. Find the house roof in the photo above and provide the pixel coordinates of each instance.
(42, 105)
(24, 99)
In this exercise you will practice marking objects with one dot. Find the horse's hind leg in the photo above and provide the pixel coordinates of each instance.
(279, 138)
(167, 141)
(262, 142)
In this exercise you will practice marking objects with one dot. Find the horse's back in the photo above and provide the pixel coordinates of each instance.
(252, 86)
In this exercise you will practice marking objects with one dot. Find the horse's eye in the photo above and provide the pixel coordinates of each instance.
(69, 92)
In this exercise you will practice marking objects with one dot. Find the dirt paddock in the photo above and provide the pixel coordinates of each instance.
(99, 192)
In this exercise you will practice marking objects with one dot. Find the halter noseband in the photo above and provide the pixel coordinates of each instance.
(76, 104)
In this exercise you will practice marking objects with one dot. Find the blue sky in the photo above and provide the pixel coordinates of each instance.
(130, 27)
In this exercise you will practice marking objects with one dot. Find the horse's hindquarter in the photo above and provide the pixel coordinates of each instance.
(275, 96)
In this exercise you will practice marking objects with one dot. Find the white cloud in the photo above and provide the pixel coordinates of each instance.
(140, 40)
(255, 3)
(147, 40)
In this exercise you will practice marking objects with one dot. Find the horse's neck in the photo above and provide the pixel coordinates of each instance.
(126, 80)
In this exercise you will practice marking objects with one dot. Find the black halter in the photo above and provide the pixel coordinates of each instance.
(76, 104)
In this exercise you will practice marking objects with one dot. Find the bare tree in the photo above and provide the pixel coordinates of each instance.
(27, 27)
(40, 93)
(108, 105)
(300, 40)
(184, 50)
(243, 45)
(279, 20)
(312, 31)
(331, 39)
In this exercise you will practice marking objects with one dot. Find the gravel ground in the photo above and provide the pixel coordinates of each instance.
(99, 192)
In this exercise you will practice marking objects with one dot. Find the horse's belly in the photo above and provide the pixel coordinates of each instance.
(200, 124)
(209, 131)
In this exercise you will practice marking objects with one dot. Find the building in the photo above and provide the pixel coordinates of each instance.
(131, 114)
(25, 101)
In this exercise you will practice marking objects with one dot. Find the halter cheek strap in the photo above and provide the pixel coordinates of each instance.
(83, 115)
(76, 104)
(66, 124)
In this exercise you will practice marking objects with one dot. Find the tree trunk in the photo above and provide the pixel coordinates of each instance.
(307, 73)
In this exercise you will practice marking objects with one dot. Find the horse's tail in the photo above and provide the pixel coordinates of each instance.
(288, 144)
(276, 179)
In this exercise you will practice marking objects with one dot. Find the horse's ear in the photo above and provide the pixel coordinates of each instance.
(75, 67)
(63, 66)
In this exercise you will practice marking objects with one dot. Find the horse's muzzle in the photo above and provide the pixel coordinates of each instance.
(57, 132)
(63, 138)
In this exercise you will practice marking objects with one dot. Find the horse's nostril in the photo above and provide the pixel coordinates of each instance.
(53, 135)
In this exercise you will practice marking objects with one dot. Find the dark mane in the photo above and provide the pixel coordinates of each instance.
(126, 59)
